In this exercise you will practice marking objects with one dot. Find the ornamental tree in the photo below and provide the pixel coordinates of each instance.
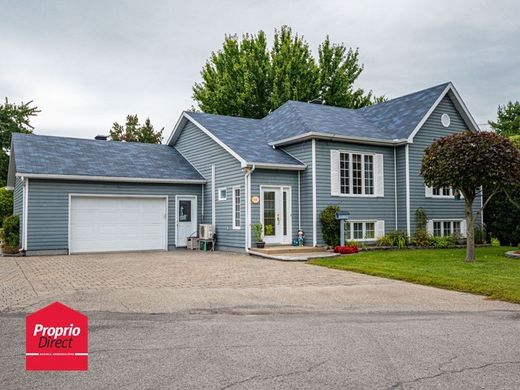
(468, 162)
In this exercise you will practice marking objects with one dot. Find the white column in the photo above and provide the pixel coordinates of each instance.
(407, 158)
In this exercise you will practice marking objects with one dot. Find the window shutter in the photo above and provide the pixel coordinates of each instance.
(334, 173)
(428, 191)
(379, 182)
(380, 229)
(429, 226)
(463, 228)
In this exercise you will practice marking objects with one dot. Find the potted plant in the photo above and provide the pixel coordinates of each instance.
(258, 229)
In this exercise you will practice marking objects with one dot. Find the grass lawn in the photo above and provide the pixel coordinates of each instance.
(493, 274)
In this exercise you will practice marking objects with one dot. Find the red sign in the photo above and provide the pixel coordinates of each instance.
(56, 338)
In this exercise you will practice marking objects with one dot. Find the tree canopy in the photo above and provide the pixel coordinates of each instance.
(133, 131)
(14, 118)
(508, 119)
(467, 161)
(246, 78)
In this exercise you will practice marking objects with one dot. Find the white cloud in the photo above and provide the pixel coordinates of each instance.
(89, 63)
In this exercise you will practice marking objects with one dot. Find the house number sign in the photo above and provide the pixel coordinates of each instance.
(255, 199)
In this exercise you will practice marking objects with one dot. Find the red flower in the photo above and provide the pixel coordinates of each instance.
(346, 250)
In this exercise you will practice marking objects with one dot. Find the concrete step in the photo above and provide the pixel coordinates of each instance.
(288, 250)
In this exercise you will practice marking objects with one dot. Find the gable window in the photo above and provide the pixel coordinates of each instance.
(356, 174)
(236, 207)
(222, 194)
(447, 228)
(363, 230)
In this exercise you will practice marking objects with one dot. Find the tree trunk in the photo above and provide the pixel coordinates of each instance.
(470, 231)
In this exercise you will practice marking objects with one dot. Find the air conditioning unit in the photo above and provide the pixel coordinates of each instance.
(206, 231)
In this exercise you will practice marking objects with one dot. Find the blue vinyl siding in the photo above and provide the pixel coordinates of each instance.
(18, 203)
(430, 131)
(49, 207)
(267, 177)
(202, 152)
(379, 208)
(401, 188)
(303, 152)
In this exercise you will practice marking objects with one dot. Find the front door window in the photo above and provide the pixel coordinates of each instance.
(270, 213)
(276, 215)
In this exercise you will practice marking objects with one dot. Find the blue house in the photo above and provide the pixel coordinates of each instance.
(77, 195)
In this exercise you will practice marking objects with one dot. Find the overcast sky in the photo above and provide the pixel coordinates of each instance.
(89, 63)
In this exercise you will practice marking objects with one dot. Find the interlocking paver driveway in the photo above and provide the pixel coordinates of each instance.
(190, 281)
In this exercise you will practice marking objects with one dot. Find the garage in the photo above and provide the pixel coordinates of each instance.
(104, 223)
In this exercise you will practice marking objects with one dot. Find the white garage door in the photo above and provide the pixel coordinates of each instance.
(105, 224)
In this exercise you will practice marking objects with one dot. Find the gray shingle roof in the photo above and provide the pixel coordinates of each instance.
(392, 120)
(37, 154)
(245, 137)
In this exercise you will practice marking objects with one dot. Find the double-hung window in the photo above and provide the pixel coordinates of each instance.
(236, 208)
(356, 174)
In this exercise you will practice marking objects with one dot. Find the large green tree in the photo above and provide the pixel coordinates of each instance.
(469, 161)
(508, 119)
(14, 118)
(133, 131)
(502, 220)
(246, 78)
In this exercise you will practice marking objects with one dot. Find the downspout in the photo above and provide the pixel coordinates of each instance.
(247, 190)
(299, 205)
(314, 208)
(395, 188)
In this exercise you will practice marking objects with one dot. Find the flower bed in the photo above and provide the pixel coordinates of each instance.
(346, 250)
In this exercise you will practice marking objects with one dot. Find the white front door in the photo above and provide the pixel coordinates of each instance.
(276, 214)
(186, 218)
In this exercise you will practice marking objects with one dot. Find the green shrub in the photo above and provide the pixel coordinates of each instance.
(258, 230)
(421, 238)
(421, 219)
(480, 234)
(330, 225)
(6, 203)
(11, 234)
(443, 242)
(495, 241)
(394, 238)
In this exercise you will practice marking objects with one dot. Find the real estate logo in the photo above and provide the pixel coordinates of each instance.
(56, 338)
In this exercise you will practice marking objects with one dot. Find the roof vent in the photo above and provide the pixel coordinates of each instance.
(316, 101)
(101, 137)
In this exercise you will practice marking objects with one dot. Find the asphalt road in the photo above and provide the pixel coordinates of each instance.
(254, 348)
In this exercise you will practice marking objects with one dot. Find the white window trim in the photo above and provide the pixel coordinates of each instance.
(233, 211)
(450, 220)
(219, 191)
(450, 196)
(350, 178)
(364, 222)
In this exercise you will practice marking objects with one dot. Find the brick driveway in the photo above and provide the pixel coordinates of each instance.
(193, 281)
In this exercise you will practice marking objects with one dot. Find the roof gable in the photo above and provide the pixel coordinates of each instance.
(395, 121)
(243, 138)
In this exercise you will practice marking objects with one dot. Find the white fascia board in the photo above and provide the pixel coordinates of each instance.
(186, 117)
(288, 167)
(459, 104)
(176, 129)
(109, 178)
(335, 137)
(11, 176)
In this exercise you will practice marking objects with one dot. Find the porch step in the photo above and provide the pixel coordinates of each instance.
(288, 250)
